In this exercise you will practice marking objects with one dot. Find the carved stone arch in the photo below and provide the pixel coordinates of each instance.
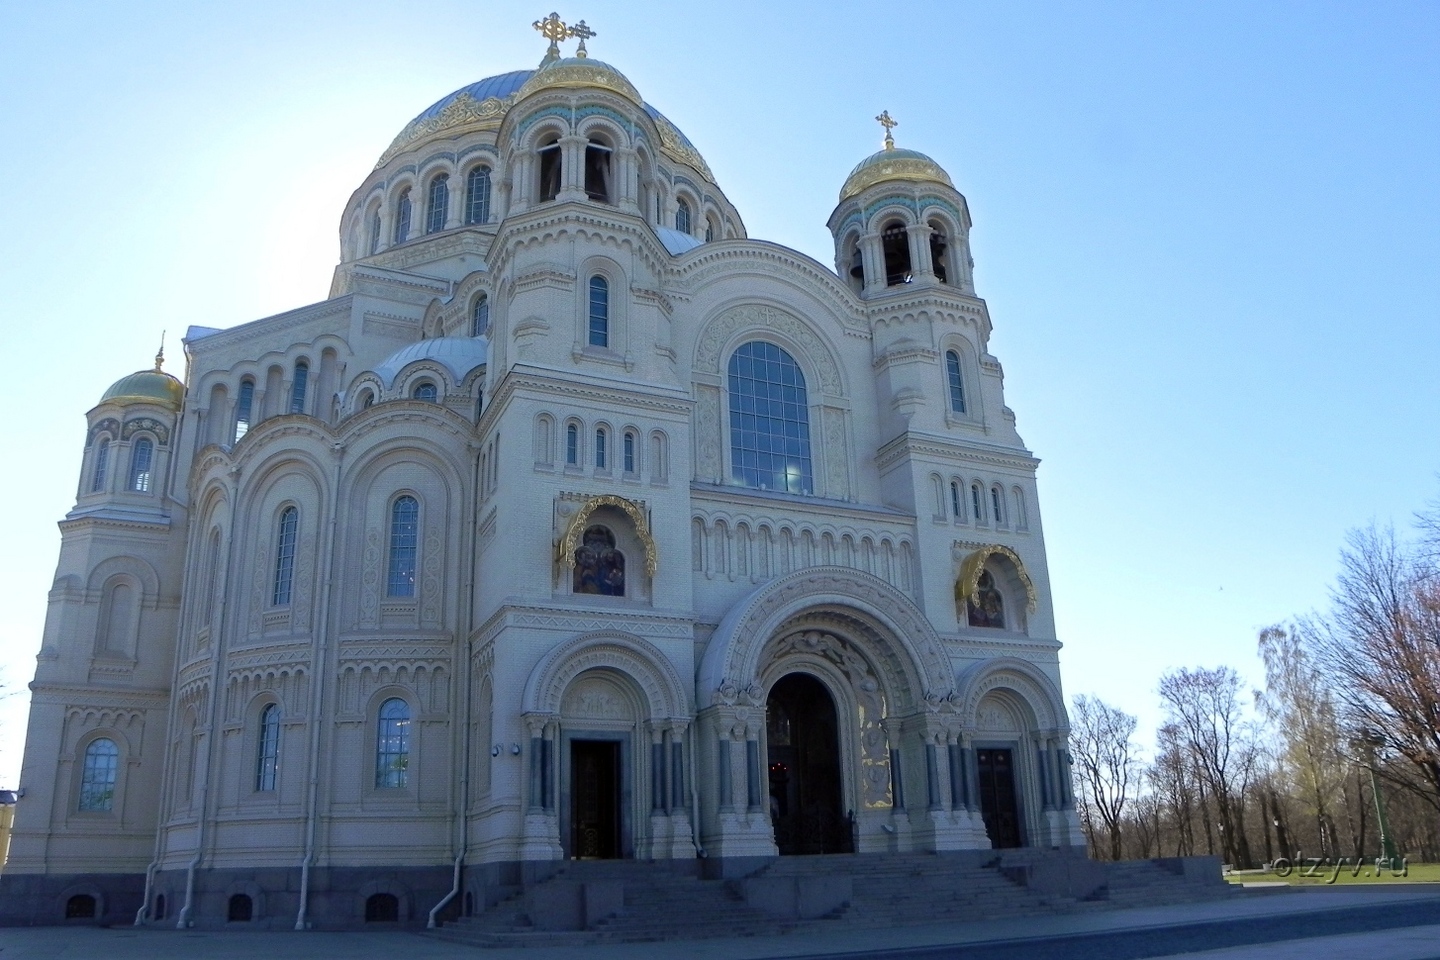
(129, 566)
(967, 583)
(1021, 679)
(890, 210)
(644, 663)
(565, 549)
(866, 608)
(720, 334)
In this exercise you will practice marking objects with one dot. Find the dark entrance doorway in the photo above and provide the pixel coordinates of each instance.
(997, 797)
(806, 802)
(594, 799)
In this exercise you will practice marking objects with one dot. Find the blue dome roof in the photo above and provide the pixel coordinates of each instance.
(459, 355)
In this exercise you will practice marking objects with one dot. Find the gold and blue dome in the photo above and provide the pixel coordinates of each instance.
(893, 163)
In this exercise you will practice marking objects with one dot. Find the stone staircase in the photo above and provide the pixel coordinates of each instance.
(1146, 883)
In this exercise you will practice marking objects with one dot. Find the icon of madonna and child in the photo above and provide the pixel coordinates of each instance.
(599, 567)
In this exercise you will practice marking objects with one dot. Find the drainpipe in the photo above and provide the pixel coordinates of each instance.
(463, 812)
(317, 691)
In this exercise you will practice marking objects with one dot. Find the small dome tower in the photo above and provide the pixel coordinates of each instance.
(901, 222)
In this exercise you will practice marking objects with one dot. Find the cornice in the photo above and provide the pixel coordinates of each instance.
(93, 695)
(639, 622)
(554, 383)
(955, 451)
(268, 326)
(750, 498)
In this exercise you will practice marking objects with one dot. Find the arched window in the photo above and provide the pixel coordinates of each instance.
(404, 542)
(572, 445)
(955, 507)
(769, 419)
(97, 776)
(599, 311)
(392, 744)
(856, 261)
(939, 251)
(212, 577)
(367, 400)
(975, 502)
(954, 381)
(427, 391)
(895, 242)
(297, 388)
(402, 216)
(439, 204)
(600, 444)
(375, 230)
(102, 463)
(997, 502)
(629, 452)
(141, 458)
(682, 216)
(597, 171)
(285, 557)
(1021, 521)
(709, 229)
(549, 169)
(477, 196)
(267, 753)
(480, 317)
(599, 567)
(990, 611)
(382, 908)
(241, 908)
(244, 408)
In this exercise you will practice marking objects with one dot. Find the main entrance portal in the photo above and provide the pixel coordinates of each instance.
(806, 800)
(997, 797)
(594, 799)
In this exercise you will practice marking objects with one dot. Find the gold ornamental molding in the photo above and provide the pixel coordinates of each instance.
(565, 550)
(967, 586)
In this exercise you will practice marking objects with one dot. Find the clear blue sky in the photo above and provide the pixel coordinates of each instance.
(1208, 234)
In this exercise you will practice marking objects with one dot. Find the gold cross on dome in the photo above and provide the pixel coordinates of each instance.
(552, 28)
(889, 124)
(583, 33)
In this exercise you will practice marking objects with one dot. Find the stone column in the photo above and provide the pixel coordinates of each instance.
(872, 256)
(921, 269)
(540, 832)
(738, 838)
(455, 204)
(572, 167)
(624, 166)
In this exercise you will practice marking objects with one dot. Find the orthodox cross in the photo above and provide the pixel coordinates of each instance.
(552, 28)
(889, 124)
(584, 33)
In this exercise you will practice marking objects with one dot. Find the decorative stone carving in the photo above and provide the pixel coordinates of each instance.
(720, 330)
(707, 432)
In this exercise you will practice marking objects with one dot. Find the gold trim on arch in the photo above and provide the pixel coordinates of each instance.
(967, 586)
(565, 549)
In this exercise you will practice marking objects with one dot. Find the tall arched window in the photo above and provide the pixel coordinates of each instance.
(954, 381)
(572, 445)
(629, 452)
(267, 753)
(402, 216)
(102, 464)
(404, 544)
(297, 388)
(244, 408)
(599, 312)
(601, 453)
(392, 744)
(769, 419)
(997, 503)
(477, 196)
(709, 230)
(975, 502)
(598, 171)
(895, 242)
(285, 557)
(141, 459)
(955, 508)
(212, 577)
(682, 216)
(480, 317)
(549, 169)
(426, 391)
(97, 776)
(438, 205)
(939, 248)
(375, 230)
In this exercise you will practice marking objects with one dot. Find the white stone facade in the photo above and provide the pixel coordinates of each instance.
(405, 524)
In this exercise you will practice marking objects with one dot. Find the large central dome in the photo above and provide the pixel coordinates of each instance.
(485, 103)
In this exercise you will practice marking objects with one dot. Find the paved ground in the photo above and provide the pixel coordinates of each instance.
(1397, 922)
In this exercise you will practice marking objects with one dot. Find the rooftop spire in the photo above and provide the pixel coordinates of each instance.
(889, 124)
(160, 354)
(584, 33)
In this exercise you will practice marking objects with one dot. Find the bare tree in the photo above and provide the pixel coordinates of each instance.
(1204, 706)
(1381, 644)
(1103, 746)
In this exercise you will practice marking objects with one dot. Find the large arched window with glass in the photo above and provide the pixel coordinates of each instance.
(477, 196)
(97, 776)
(142, 459)
(267, 754)
(682, 216)
(244, 408)
(954, 381)
(769, 419)
(549, 168)
(102, 465)
(480, 317)
(427, 391)
(392, 744)
(285, 557)
(437, 204)
(598, 172)
(404, 546)
(298, 386)
(402, 216)
(599, 311)
(375, 230)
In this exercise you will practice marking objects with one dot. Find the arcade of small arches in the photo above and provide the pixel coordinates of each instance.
(901, 248)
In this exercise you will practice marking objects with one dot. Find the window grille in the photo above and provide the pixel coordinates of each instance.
(477, 196)
(953, 380)
(244, 405)
(102, 462)
(297, 389)
(402, 217)
(404, 544)
(285, 557)
(97, 778)
(439, 204)
(267, 760)
(599, 312)
(769, 419)
(141, 458)
(392, 744)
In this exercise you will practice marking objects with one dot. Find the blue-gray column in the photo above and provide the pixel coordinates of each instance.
(657, 776)
(752, 774)
(1042, 758)
(537, 773)
(897, 781)
(959, 799)
(932, 778)
(722, 763)
(547, 772)
(972, 778)
(677, 774)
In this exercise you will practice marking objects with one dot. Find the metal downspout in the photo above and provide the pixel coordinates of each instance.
(317, 690)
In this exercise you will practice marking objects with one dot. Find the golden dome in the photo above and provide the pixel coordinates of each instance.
(571, 72)
(147, 386)
(893, 164)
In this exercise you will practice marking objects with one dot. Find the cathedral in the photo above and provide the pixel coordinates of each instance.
(573, 524)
